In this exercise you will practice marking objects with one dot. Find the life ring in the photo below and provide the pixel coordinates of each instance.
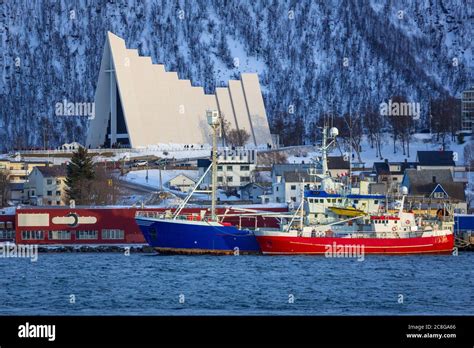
(394, 228)
(407, 222)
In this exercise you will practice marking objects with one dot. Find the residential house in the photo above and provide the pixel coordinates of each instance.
(71, 147)
(391, 174)
(182, 182)
(17, 174)
(17, 192)
(442, 160)
(279, 169)
(436, 160)
(434, 187)
(46, 186)
(288, 187)
(253, 192)
(234, 168)
(18, 171)
(338, 166)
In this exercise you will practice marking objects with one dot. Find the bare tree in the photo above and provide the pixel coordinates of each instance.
(445, 118)
(353, 124)
(237, 137)
(103, 190)
(4, 188)
(374, 124)
(401, 126)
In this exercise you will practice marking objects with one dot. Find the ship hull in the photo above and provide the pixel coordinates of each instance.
(285, 245)
(197, 237)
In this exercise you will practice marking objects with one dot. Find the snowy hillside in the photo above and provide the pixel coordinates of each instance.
(311, 56)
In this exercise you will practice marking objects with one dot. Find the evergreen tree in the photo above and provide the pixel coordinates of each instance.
(80, 176)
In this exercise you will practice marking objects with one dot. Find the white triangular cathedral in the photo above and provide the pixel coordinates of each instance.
(138, 103)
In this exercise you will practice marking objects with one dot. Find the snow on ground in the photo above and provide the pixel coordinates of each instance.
(419, 142)
(139, 176)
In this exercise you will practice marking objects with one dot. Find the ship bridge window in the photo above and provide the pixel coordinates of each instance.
(356, 201)
(2, 225)
(321, 201)
(339, 201)
(376, 201)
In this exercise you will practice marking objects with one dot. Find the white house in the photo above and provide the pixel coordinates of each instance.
(46, 186)
(288, 187)
(182, 182)
(71, 146)
(234, 168)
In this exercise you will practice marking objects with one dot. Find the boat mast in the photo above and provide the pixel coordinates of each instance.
(213, 121)
(333, 133)
(302, 206)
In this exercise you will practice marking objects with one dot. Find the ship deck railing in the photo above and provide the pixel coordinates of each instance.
(164, 215)
(369, 234)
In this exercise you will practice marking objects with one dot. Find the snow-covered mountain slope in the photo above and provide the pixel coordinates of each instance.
(311, 56)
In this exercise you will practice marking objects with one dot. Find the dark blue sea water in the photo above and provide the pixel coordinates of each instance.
(142, 284)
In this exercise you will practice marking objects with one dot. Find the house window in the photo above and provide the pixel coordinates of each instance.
(58, 193)
(58, 182)
(219, 167)
(219, 179)
(293, 199)
(293, 187)
(49, 181)
(49, 193)
(439, 195)
(230, 179)
(229, 167)
(58, 202)
(244, 168)
(277, 189)
(245, 179)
